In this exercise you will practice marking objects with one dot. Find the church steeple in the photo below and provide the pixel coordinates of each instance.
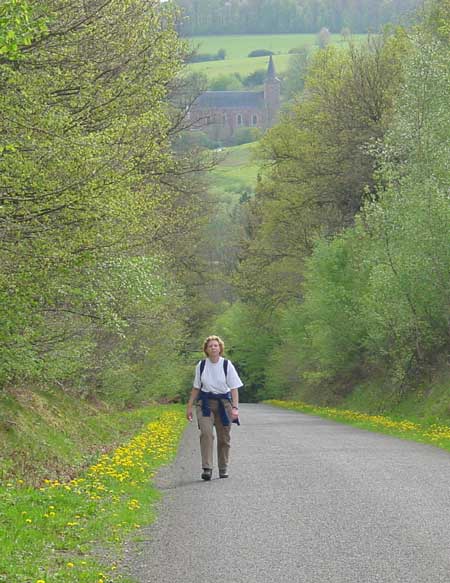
(271, 93)
(271, 70)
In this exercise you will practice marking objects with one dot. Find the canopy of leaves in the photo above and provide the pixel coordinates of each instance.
(92, 212)
(348, 259)
(320, 161)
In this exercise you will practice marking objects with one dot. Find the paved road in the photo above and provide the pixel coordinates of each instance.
(307, 501)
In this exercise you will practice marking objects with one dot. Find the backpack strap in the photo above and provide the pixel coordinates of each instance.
(225, 367)
(202, 368)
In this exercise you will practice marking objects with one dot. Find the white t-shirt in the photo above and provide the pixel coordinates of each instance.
(213, 377)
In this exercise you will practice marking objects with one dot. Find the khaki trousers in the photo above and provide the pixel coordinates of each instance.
(206, 426)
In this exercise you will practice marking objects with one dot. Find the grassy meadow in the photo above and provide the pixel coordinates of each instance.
(238, 47)
(236, 172)
(243, 66)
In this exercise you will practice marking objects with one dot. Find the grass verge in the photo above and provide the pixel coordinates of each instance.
(49, 533)
(432, 433)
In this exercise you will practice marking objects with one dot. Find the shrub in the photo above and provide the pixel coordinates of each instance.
(246, 135)
(260, 53)
(225, 83)
(323, 37)
(256, 78)
(203, 57)
(298, 51)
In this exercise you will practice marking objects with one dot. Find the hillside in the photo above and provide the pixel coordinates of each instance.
(238, 47)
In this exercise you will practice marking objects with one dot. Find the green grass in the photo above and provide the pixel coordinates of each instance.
(236, 172)
(243, 66)
(50, 534)
(50, 434)
(238, 47)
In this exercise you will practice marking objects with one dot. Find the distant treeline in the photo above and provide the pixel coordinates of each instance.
(289, 16)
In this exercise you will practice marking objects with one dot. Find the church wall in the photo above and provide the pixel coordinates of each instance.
(222, 123)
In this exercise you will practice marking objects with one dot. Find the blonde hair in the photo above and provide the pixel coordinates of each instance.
(217, 339)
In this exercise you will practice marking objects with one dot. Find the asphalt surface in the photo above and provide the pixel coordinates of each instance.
(308, 500)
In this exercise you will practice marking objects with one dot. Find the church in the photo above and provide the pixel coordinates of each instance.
(221, 113)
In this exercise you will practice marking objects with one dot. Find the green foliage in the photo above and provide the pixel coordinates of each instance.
(201, 57)
(256, 78)
(295, 76)
(246, 135)
(438, 19)
(406, 307)
(92, 217)
(334, 282)
(288, 16)
(260, 53)
(20, 25)
(225, 83)
(348, 230)
(248, 336)
(323, 37)
(320, 161)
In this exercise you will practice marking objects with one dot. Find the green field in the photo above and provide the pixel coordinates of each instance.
(236, 171)
(238, 47)
(243, 66)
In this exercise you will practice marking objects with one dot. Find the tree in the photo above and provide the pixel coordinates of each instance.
(374, 297)
(294, 80)
(19, 26)
(323, 37)
(225, 83)
(320, 161)
(90, 200)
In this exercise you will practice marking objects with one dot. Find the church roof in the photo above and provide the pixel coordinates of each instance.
(271, 69)
(232, 99)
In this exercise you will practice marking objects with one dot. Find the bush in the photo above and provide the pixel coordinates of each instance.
(195, 139)
(323, 37)
(261, 53)
(225, 83)
(298, 51)
(245, 136)
(256, 78)
(249, 338)
(203, 57)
